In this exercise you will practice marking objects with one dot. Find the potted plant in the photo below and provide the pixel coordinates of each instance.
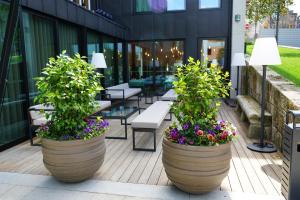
(196, 149)
(73, 147)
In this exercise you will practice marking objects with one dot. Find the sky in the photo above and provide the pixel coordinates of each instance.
(296, 6)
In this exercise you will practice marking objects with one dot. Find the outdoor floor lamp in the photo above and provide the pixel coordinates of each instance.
(98, 62)
(265, 53)
(238, 61)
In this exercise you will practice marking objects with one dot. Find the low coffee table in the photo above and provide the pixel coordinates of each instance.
(119, 112)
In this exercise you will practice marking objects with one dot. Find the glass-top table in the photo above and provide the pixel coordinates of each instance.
(119, 112)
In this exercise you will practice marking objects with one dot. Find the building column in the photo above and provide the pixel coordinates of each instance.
(238, 39)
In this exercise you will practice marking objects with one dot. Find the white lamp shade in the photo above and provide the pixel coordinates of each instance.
(238, 60)
(98, 61)
(265, 52)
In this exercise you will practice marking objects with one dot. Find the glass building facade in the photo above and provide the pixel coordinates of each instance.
(37, 38)
(139, 59)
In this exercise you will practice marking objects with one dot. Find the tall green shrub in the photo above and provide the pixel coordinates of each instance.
(70, 85)
(199, 90)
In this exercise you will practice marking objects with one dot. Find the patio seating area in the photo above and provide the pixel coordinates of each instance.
(250, 172)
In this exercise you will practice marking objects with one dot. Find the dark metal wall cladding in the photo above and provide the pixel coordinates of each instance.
(189, 25)
(68, 11)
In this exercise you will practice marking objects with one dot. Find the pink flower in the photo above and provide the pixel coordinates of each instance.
(200, 133)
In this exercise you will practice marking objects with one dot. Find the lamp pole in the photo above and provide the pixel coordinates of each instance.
(238, 80)
(263, 146)
(263, 104)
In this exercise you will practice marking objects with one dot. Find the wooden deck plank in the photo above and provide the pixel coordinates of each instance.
(254, 156)
(250, 172)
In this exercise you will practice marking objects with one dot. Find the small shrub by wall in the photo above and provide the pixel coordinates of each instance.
(281, 96)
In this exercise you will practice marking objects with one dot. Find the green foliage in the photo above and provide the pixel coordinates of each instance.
(70, 85)
(258, 10)
(290, 67)
(199, 90)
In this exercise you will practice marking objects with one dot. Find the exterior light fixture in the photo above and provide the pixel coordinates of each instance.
(98, 61)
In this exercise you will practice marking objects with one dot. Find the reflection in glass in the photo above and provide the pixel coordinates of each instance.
(108, 50)
(4, 9)
(68, 38)
(142, 6)
(13, 118)
(175, 5)
(140, 63)
(93, 44)
(39, 44)
(213, 51)
(120, 62)
(203, 4)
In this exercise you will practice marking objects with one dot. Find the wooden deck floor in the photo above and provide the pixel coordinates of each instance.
(250, 172)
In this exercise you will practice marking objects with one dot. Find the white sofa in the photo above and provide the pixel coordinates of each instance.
(123, 92)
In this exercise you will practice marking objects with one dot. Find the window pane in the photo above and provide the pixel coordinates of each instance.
(176, 5)
(93, 43)
(140, 64)
(108, 50)
(120, 62)
(4, 9)
(13, 118)
(39, 44)
(142, 6)
(213, 52)
(68, 38)
(209, 4)
(169, 56)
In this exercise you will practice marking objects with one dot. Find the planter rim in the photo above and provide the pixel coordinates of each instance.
(72, 141)
(192, 147)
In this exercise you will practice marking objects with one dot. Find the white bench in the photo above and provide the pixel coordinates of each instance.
(37, 115)
(150, 120)
(123, 92)
(170, 96)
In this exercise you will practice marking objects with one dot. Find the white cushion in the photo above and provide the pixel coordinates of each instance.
(121, 86)
(101, 105)
(36, 114)
(153, 116)
(39, 121)
(130, 92)
(170, 96)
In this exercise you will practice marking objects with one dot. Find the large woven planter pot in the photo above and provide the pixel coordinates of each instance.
(196, 169)
(73, 161)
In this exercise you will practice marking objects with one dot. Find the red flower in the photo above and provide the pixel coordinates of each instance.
(200, 133)
(210, 137)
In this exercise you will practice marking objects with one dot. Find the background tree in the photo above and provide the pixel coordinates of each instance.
(257, 10)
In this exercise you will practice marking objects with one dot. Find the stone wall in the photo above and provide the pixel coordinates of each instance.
(281, 95)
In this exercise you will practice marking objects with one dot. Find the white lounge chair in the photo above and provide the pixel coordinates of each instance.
(123, 92)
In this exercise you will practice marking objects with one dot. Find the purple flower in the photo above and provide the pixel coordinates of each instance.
(87, 130)
(185, 126)
(197, 128)
(91, 123)
(182, 140)
(77, 137)
(104, 124)
(44, 127)
(211, 132)
(218, 128)
(65, 137)
(174, 133)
